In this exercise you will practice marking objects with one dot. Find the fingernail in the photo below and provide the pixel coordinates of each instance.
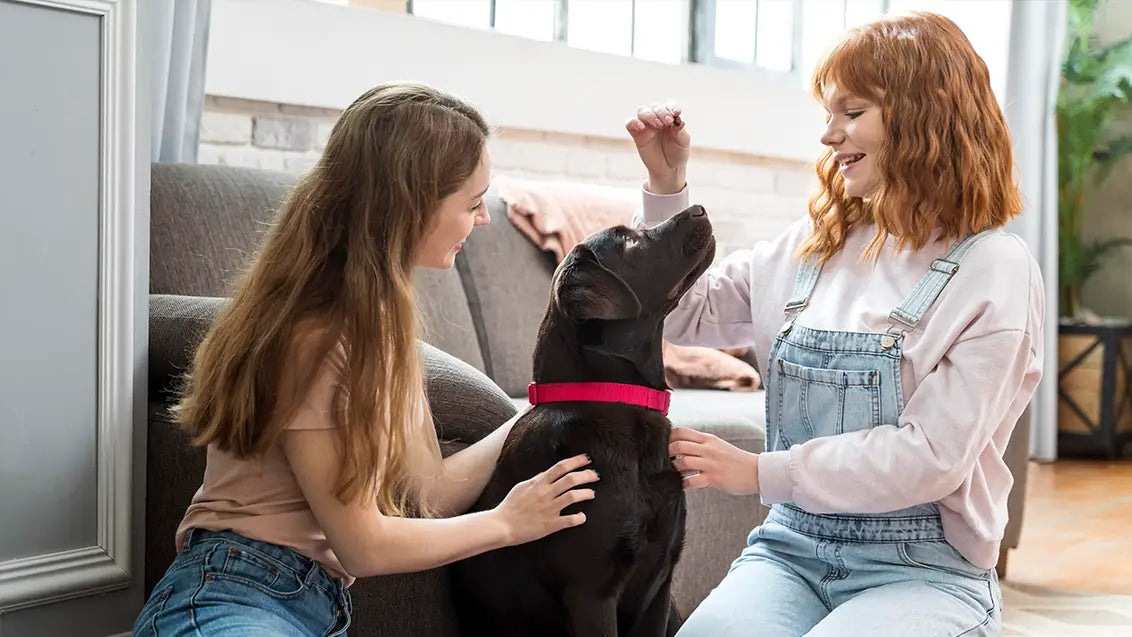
(597, 473)
(589, 458)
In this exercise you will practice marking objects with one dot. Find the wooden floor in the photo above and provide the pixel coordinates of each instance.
(1077, 531)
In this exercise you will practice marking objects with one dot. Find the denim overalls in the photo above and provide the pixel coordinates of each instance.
(868, 574)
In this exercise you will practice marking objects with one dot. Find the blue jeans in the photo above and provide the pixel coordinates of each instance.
(225, 584)
(802, 575)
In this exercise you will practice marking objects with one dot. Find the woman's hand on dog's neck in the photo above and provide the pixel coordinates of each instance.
(719, 464)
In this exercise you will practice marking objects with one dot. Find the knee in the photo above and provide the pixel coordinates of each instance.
(714, 618)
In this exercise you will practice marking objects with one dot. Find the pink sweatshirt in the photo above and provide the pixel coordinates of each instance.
(969, 370)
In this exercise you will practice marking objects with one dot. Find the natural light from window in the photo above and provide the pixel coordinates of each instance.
(744, 34)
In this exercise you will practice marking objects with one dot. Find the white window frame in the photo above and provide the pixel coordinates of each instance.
(702, 39)
(698, 46)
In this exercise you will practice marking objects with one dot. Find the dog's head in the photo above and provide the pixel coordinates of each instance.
(615, 289)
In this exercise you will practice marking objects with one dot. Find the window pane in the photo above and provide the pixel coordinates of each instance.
(735, 29)
(528, 18)
(984, 22)
(468, 13)
(661, 29)
(822, 22)
(600, 25)
(776, 34)
(858, 12)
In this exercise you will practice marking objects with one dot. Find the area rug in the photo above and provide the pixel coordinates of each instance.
(1031, 611)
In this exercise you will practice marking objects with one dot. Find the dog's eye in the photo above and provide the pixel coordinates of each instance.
(630, 243)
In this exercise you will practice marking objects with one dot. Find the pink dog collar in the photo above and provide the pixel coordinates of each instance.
(600, 392)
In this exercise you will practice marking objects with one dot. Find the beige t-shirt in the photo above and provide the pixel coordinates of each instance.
(260, 498)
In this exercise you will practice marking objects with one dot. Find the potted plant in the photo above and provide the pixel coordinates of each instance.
(1096, 86)
(1095, 360)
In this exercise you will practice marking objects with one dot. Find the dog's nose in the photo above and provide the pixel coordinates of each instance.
(698, 211)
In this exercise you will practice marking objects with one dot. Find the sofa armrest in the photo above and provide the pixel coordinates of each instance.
(466, 405)
(177, 325)
(1017, 457)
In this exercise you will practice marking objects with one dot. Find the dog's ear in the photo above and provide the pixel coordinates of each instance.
(587, 290)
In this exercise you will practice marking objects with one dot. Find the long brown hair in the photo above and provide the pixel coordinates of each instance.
(333, 280)
(946, 164)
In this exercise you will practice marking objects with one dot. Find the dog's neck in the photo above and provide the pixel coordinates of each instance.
(563, 356)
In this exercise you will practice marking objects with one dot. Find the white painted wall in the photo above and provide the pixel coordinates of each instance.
(315, 54)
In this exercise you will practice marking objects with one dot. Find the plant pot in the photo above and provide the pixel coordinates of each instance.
(1094, 393)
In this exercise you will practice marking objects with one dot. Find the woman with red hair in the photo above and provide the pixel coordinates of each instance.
(899, 331)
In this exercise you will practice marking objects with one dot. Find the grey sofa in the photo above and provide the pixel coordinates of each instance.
(481, 321)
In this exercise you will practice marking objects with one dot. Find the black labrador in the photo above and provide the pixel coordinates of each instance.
(612, 575)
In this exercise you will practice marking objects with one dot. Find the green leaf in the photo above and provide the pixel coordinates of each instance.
(1121, 50)
(1101, 248)
(1108, 157)
(1113, 82)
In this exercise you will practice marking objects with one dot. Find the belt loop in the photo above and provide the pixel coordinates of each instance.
(187, 541)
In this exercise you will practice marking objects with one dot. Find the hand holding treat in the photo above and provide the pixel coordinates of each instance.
(663, 144)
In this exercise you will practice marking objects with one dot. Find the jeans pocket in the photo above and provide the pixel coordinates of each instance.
(248, 567)
(939, 556)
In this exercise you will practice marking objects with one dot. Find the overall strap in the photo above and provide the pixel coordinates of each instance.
(909, 313)
(804, 283)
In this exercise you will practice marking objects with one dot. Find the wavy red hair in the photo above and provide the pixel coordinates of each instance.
(946, 164)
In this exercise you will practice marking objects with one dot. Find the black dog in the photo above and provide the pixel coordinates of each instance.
(612, 575)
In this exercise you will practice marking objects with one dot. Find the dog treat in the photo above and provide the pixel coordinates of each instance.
(676, 121)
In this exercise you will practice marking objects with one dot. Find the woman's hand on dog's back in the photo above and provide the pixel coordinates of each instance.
(533, 508)
(713, 462)
(663, 144)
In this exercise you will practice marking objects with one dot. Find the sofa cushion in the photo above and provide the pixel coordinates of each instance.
(738, 417)
(445, 315)
(507, 278)
(177, 325)
(205, 221)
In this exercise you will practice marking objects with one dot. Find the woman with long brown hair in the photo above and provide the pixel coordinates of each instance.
(899, 329)
(309, 394)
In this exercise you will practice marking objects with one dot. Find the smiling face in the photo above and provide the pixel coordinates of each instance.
(855, 133)
(454, 219)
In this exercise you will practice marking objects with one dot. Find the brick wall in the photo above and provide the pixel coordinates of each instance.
(750, 198)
